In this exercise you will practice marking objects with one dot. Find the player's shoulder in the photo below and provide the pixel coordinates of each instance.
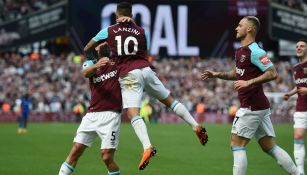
(295, 66)
(256, 49)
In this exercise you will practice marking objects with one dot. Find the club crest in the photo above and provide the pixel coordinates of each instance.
(242, 59)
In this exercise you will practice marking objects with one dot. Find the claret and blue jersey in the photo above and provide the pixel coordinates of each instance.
(128, 44)
(251, 62)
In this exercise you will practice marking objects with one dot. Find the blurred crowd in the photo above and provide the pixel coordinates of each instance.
(15, 9)
(56, 84)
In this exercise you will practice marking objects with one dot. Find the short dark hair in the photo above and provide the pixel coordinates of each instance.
(124, 8)
(303, 40)
(255, 21)
(103, 51)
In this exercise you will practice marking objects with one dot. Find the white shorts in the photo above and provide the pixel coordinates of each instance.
(249, 124)
(135, 82)
(103, 124)
(300, 120)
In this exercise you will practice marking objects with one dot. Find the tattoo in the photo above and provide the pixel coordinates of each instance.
(227, 75)
(269, 74)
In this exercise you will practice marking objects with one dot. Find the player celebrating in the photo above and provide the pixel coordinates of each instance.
(129, 44)
(103, 117)
(253, 118)
(300, 116)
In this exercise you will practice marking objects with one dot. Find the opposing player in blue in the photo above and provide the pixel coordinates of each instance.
(103, 117)
(253, 68)
(25, 108)
(129, 45)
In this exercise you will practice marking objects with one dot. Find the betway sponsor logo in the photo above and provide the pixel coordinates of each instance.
(104, 77)
(240, 71)
(301, 80)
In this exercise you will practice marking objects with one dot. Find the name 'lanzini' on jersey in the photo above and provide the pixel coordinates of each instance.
(300, 76)
(251, 62)
(105, 89)
(128, 44)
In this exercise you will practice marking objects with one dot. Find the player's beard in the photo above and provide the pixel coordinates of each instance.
(241, 37)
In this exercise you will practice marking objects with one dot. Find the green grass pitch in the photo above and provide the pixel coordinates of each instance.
(45, 147)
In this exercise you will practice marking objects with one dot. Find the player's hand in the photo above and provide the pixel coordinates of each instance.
(286, 97)
(125, 19)
(302, 91)
(240, 84)
(208, 74)
(102, 62)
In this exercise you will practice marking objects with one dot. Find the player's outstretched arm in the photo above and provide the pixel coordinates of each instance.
(289, 94)
(231, 75)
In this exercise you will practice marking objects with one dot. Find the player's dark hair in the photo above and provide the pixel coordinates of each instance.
(255, 21)
(303, 40)
(103, 51)
(124, 9)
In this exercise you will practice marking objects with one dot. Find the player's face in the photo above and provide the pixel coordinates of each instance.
(242, 29)
(301, 49)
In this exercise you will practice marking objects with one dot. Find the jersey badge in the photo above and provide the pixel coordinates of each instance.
(264, 60)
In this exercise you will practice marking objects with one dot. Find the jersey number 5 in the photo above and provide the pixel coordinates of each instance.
(126, 44)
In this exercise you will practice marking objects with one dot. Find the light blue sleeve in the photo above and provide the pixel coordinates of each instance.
(259, 58)
(147, 40)
(102, 35)
(87, 64)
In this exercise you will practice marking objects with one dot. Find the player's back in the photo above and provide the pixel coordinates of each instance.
(128, 45)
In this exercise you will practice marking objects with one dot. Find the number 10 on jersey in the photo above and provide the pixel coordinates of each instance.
(121, 47)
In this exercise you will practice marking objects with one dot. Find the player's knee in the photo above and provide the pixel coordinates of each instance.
(78, 149)
(299, 136)
(107, 156)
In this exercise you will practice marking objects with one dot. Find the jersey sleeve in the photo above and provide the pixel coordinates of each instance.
(102, 35)
(259, 58)
(87, 64)
(147, 40)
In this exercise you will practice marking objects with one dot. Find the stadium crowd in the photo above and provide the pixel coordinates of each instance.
(56, 84)
(15, 9)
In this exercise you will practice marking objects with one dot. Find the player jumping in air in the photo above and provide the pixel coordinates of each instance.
(129, 44)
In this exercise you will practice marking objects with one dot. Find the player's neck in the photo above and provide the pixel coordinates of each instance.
(303, 60)
(247, 40)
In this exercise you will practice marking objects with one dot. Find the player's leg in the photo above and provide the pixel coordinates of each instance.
(238, 145)
(108, 131)
(244, 127)
(269, 146)
(71, 161)
(156, 89)
(184, 114)
(25, 123)
(107, 156)
(20, 125)
(84, 138)
(300, 125)
(132, 85)
(265, 135)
